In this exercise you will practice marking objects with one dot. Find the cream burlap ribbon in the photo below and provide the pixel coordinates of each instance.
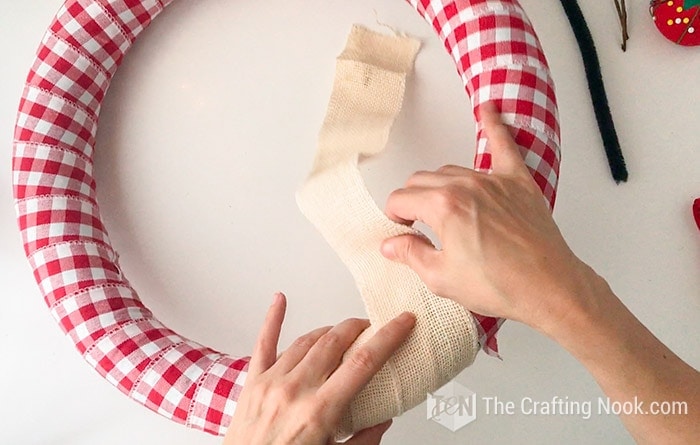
(367, 96)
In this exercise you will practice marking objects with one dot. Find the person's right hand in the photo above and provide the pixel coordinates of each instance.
(502, 254)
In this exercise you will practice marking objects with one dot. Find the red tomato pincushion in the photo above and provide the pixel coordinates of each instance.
(678, 20)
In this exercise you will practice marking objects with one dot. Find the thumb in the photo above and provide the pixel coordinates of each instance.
(505, 155)
(370, 436)
(415, 251)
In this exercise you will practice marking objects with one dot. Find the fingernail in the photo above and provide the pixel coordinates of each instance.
(388, 250)
(407, 318)
(276, 299)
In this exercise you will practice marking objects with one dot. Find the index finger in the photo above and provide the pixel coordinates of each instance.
(265, 352)
(505, 154)
(408, 205)
(359, 368)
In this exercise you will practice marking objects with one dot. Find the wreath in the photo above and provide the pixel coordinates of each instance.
(497, 55)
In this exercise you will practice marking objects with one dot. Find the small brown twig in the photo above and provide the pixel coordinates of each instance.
(621, 7)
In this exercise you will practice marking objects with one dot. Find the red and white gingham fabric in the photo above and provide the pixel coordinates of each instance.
(498, 57)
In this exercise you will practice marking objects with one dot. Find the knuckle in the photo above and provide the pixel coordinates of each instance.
(448, 168)
(329, 340)
(444, 168)
(358, 323)
(416, 178)
(393, 197)
(363, 360)
(407, 248)
(283, 394)
(471, 182)
(447, 198)
(304, 342)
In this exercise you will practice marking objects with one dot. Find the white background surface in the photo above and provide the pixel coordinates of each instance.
(209, 128)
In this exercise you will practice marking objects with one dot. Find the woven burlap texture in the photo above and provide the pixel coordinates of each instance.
(367, 96)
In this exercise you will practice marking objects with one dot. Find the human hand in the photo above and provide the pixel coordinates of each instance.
(502, 253)
(300, 396)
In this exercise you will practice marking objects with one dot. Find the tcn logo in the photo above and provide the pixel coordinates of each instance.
(452, 406)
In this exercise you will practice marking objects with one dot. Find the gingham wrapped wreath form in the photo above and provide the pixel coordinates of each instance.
(497, 55)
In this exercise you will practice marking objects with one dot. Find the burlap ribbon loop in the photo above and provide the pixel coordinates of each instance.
(367, 96)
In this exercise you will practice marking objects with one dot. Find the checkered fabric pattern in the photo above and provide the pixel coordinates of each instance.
(498, 57)
(67, 245)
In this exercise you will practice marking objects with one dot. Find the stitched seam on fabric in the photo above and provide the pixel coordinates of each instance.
(88, 57)
(476, 11)
(114, 21)
(198, 386)
(97, 287)
(152, 364)
(92, 116)
(515, 65)
(71, 195)
(56, 196)
(99, 244)
(68, 149)
(55, 147)
(119, 327)
(485, 8)
(526, 123)
(548, 140)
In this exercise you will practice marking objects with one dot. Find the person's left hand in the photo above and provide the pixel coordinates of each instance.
(299, 398)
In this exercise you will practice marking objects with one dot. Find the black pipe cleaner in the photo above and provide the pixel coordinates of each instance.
(597, 89)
